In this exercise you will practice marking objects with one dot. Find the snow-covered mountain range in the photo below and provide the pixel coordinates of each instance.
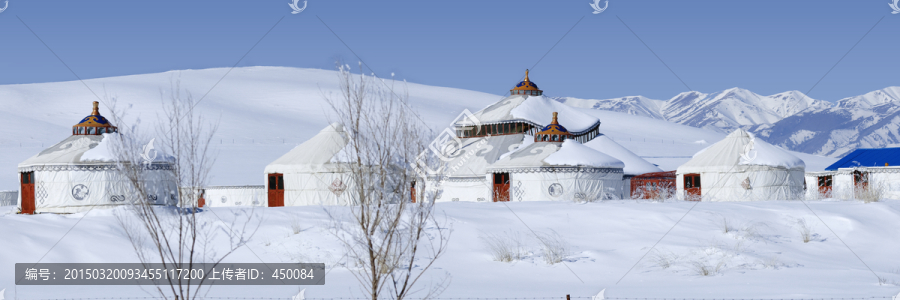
(789, 119)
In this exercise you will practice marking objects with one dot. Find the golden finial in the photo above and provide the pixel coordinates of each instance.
(526, 75)
(554, 119)
(96, 111)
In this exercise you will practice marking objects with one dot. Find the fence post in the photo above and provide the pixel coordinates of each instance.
(567, 297)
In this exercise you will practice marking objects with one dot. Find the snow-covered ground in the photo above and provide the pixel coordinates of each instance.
(761, 256)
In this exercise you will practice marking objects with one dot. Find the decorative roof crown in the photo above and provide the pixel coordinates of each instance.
(552, 132)
(526, 87)
(94, 124)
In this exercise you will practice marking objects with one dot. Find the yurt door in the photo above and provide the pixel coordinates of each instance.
(202, 201)
(412, 191)
(276, 190)
(501, 187)
(692, 186)
(28, 193)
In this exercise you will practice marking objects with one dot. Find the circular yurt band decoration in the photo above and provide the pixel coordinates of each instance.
(555, 190)
(80, 191)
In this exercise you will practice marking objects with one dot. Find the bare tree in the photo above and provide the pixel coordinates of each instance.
(390, 240)
(163, 179)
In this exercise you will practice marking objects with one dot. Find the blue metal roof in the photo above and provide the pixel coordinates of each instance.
(868, 158)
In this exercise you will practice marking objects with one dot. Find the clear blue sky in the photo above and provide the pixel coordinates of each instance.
(767, 46)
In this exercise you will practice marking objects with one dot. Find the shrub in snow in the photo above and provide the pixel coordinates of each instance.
(804, 229)
(505, 247)
(553, 247)
(662, 259)
(296, 226)
(868, 193)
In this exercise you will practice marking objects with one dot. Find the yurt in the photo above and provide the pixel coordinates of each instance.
(554, 166)
(312, 173)
(741, 167)
(80, 173)
(480, 139)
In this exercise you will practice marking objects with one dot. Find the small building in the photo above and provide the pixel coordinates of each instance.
(656, 185)
(554, 166)
(856, 172)
(80, 173)
(741, 167)
(313, 173)
(227, 196)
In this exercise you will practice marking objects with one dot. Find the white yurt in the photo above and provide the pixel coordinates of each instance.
(741, 167)
(80, 173)
(479, 140)
(312, 173)
(553, 166)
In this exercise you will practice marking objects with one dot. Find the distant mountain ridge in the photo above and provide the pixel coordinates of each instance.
(790, 119)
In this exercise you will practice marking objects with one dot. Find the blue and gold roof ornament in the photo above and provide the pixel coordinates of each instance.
(94, 124)
(526, 87)
(553, 132)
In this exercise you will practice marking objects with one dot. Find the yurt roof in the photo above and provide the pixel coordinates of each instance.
(740, 148)
(315, 152)
(634, 164)
(533, 109)
(67, 152)
(566, 154)
(85, 150)
(477, 154)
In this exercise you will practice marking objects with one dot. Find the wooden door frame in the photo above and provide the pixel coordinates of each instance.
(692, 190)
(26, 182)
(277, 191)
(498, 196)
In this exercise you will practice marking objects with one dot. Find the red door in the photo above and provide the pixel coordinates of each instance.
(276, 190)
(412, 191)
(692, 186)
(202, 201)
(27, 192)
(501, 187)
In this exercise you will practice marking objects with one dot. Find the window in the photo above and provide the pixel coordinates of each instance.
(280, 182)
(825, 181)
(272, 184)
(691, 181)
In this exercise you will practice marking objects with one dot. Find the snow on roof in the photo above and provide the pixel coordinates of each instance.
(740, 148)
(85, 149)
(477, 154)
(634, 165)
(68, 151)
(535, 109)
(543, 154)
(573, 153)
(314, 153)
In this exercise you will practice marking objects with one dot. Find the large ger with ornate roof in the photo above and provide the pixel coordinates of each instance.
(80, 173)
(527, 147)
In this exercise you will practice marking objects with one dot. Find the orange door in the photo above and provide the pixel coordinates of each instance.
(412, 191)
(27, 192)
(501, 187)
(276, 190)
(202, 201)
(692, 186)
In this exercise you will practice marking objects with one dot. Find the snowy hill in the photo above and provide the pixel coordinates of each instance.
(789, 119)
(263, 112)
